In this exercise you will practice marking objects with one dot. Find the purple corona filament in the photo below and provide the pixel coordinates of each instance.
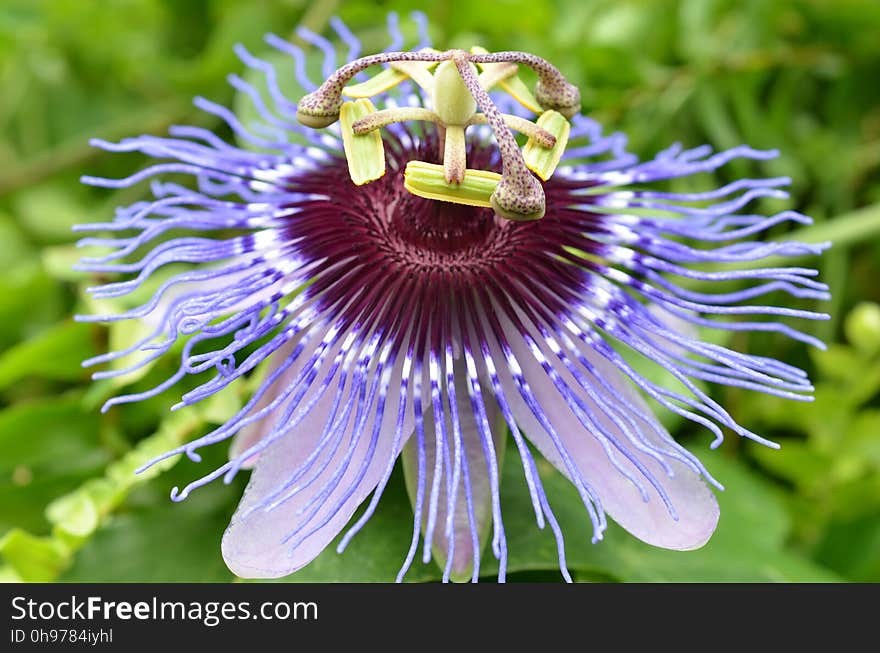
(394, 326)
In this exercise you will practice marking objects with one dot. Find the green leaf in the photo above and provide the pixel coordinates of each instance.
(748, 546)
(173, 430)
(55, 354)
(51, 435)
(837, 362)
(59, 260)
(8, 575)
(23, 503)
(14, 247)
(49, 211)
(795, 461)
(33, 559)
(75, 514)
(30, 301)
(47, 448)
(852, 548)
(158, 540)
(862, 442)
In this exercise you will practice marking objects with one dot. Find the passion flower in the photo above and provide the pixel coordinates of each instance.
(415, 283)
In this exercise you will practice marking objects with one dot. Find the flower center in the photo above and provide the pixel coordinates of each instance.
(383, 224)
(420, 226)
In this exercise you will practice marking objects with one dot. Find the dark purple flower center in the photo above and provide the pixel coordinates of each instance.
(384, 227)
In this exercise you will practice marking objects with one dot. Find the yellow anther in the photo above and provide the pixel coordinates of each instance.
(505, 75)
(429, 180)
(517, 89)
(418, 71)
(397, 72)
(364, 152)
(493, 73)
(543, 160)
(387, 79)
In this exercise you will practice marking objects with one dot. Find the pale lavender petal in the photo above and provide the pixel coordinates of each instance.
(693, 502)
(263, 540)
(472, 510)
(253, 433)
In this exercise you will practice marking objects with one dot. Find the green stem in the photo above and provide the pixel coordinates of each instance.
(845, 230)
(315, 18)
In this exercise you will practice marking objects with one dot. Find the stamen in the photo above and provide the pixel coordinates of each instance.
(418, 71)
(429, 180)
(387, 117)
(541, 159)
(526, 127)
(384, 81)
(364, 152)
(495, 73)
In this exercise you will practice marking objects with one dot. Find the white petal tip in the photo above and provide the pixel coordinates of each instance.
(254, 557)
(689, 531)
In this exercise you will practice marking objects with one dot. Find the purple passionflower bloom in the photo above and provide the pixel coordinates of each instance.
(390, 323)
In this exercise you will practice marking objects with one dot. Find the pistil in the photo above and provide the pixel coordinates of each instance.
(460, 100)
(519, 195)
(553, 91)
(320, 108)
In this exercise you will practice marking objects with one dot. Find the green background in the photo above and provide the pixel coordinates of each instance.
(799, 75)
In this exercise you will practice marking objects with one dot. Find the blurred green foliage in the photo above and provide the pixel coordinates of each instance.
(797, 75)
